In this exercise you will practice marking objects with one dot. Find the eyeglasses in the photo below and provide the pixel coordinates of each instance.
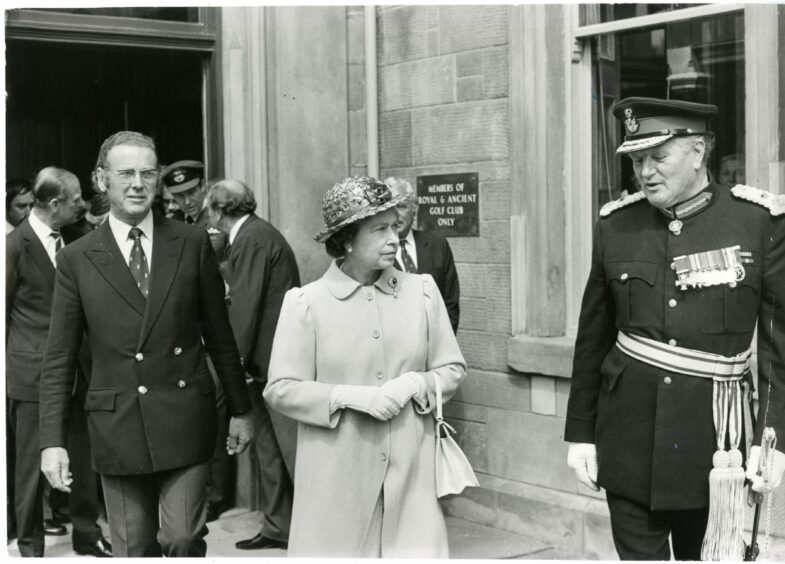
(128, 175)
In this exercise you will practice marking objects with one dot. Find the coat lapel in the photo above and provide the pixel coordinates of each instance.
(108, 260)
(167, 251)
(36, 250)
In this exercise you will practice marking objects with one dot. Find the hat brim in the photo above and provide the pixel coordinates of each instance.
(646, 143)
(325, 234)
(184, 186)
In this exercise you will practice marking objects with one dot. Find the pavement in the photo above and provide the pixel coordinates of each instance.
(467, 540)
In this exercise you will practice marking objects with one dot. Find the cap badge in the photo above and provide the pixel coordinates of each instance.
(630, 122)
(178, 176)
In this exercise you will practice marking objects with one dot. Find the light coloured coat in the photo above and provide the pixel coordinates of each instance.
(335, 331)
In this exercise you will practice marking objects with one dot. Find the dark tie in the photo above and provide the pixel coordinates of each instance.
(58, 240)
(138, 262)
(189, 220)
(408, 263)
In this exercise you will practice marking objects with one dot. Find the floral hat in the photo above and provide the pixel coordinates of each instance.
(352, 199)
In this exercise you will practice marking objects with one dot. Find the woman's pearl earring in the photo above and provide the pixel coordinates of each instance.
(349, 249)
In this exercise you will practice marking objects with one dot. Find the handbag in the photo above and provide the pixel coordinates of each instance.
(453, 470)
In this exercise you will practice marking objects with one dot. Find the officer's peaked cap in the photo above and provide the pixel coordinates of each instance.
(649, 122)
(182, 175)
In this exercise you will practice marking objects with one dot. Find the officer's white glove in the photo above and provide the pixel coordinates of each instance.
(778, 468)
(404, 387)
(368, 399)
(582, 458)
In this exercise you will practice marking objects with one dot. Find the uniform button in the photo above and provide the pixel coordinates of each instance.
(375, 334)
(181, 383)
(384, 456)
(369, 297)
(672, 302)
(178, 351)
(667, 380)
(142, 390)
(672, 342)
(379, 375)
(625, 276)
(673, 266)
(139, 357)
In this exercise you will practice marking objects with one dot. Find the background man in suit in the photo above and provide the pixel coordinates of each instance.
(18, 202)
(425, 252)
(150, 397)
(30, 274)
(259, 268)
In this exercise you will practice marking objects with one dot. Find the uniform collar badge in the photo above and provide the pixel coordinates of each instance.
(630, 122)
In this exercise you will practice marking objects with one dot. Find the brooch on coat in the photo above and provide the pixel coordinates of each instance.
(711, 268)
(392, 282)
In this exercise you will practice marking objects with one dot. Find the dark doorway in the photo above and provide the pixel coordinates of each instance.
(64, 100)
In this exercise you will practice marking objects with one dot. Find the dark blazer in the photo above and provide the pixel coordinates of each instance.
(29, 282)
(653, 428)
(150, 397)
(260, 268)
(434, 257)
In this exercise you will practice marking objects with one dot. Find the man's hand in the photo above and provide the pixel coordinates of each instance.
(54, 465)
(240, 433)
(582, 458)
(778, 468)
(368, 399)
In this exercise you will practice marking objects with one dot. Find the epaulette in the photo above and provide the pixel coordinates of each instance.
(775, 203)
(614, 205)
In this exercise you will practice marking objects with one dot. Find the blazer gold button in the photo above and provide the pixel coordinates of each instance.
(178, 351)
(625, 276)
(181, 383)
(375, 334)
(139, 357)
(672, 302)
(667, 380)
(142, 390)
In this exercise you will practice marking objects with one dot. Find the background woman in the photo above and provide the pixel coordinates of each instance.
(354, 361)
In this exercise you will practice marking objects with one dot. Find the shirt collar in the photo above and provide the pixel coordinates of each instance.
(120, 229)
(342, 285)
(236, 227)
(409, 239)
(41, 229)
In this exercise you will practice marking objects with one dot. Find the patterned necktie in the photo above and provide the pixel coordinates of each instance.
(408, 263)
(58, 240)
(138, 262)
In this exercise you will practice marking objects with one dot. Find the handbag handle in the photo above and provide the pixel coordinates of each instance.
(438, 387)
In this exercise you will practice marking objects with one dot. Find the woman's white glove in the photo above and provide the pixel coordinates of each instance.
(778, 468)
(368, 399)
(404, 387)
(582, 458)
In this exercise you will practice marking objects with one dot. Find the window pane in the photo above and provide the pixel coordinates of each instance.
(701, 60)
(189, 15)
(615, 12)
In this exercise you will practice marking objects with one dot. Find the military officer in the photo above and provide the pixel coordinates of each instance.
(682, 271)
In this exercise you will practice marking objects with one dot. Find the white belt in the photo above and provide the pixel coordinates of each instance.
(684, 361)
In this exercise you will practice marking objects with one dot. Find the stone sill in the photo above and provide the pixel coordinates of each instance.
(549, 356)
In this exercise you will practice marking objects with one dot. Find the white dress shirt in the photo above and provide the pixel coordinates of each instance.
(43, 232)
(236, 228)
(120, 231)
(410, 248)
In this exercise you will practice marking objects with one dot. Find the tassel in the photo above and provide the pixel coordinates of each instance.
(725, 528)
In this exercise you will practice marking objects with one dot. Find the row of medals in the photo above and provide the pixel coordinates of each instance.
(709, 268)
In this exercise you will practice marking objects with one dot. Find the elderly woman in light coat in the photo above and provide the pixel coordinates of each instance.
(354, 360)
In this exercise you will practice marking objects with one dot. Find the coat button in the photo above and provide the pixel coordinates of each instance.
(375, 334)
(672, 302)
(624, 276)
(139, 357)
(369, 297)
(178, 351)
(142, 390)
(384, 456)
(379, 375)
(672, 342)
(667, 380)
(181, 383)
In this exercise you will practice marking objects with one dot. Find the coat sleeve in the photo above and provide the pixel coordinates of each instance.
(771, 338)
(596, 336)
(248, 276)
(445, 360)
(217, 332)
(292, 388)
(58, 371)
(452, 288)
(11, 278)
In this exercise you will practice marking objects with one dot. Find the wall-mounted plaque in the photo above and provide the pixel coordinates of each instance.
(449, 204)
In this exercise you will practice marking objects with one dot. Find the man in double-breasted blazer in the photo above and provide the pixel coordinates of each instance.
(149, 295)
(30, 275)
(424, 252)
(260, 268)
